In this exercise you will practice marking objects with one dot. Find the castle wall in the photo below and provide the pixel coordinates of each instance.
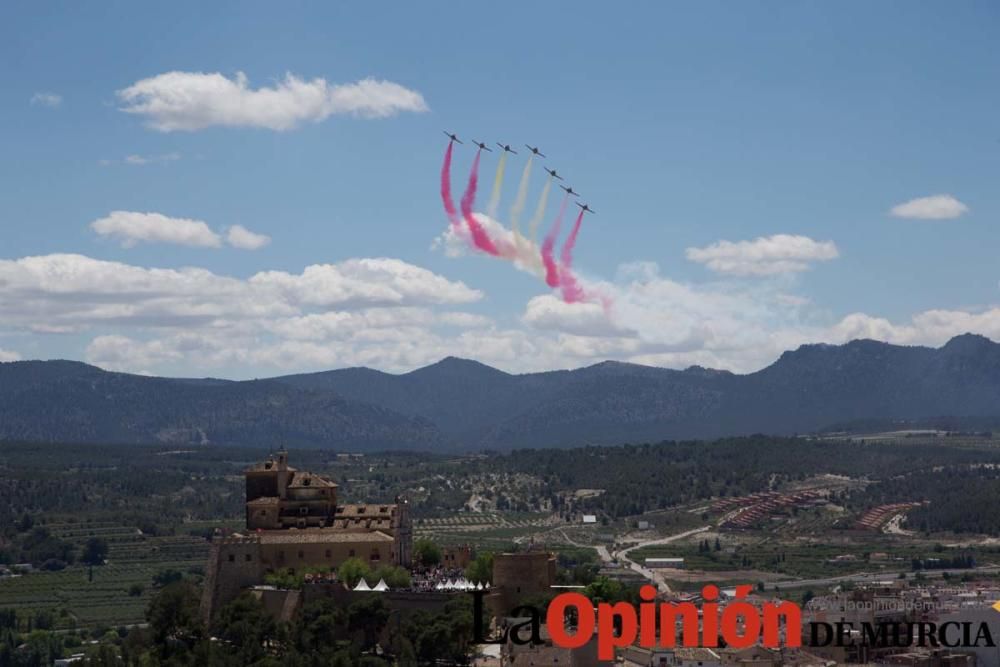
(320, 554)
(234, 563)
(517, 576)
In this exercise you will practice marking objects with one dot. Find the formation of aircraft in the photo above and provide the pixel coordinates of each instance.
(534, 151)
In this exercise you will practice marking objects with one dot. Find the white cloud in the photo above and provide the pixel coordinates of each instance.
(140, 160)
(132, 228)
(196, 100)
(7, 355)
(765, 255)
(63, 293)
(371, 281)
(396, 316)
(239, 236)
(936, 207)
(137, 160)
(50, 100)
(548, 312)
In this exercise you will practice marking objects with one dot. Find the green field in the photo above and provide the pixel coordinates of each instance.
(80, 596)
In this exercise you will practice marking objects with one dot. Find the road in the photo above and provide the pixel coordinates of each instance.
(656, 578)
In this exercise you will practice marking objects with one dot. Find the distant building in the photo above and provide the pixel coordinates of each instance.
(517, 576)
(589, 518)
(643, 525)
(697, 657)
(456, 556)
(294, 521)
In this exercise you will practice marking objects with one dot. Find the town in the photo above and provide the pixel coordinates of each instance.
(851, 540)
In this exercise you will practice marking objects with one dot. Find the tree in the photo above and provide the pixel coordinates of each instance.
(245, 625)
(428, 553)
(394, 576)
(167, 577)
(480, 570)
(173, 612)
(95, 551)
(604, 590)
(367, 616)
(353, 570)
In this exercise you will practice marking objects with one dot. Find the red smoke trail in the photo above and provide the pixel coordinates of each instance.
(571, 290)
(551, 270)
(449, 205)
(479, 235)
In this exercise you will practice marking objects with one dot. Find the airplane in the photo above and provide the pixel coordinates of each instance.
(482, 146)
(451, 136)
(586, 208)
(535, 150)
(552, 173)
(507, 148)
(569, 191)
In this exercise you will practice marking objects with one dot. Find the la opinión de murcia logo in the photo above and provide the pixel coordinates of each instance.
(737, 623)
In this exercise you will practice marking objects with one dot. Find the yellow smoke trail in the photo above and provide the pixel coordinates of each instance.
(518, 208)
(491, 209)
(539, 212)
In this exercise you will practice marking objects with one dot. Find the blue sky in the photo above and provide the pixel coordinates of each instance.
(683, 125)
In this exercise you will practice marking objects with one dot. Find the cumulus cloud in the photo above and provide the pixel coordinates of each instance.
(196, 100)
(133, 227)
(239, 236)
(658, 321)
(392, 315)
(764, 256)
(935, 207)
(68, 292)
(372, 281)
(7, 355)
(50, 100)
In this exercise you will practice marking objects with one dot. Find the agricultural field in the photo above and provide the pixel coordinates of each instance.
(488, 531)
(112, 594)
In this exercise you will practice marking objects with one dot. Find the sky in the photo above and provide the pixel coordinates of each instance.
(251, 189)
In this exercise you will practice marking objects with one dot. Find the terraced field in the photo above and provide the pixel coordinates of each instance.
(488, 531)
(82, 596)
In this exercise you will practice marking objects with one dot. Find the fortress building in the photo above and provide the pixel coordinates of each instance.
(294, 521)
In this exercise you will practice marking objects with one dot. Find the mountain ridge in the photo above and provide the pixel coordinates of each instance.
(463, 404)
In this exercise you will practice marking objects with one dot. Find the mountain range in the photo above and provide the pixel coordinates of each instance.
(463, 405)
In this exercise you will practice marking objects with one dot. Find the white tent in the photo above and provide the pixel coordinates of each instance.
(479, 586)
(381, 586)
(362, 586)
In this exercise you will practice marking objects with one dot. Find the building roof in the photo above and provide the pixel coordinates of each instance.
(365, 511)
(269, 465)
(320, 536)
(265, 500)
(360, 523)
(696, 654)
(308, 479)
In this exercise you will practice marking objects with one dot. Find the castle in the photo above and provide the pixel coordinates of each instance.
(294, 521)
